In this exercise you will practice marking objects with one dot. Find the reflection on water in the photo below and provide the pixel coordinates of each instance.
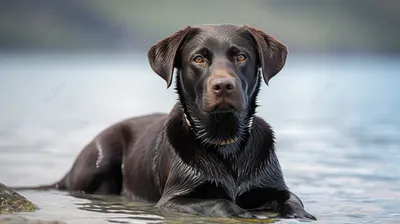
(120, 210)
(78, 208)
(335, 120)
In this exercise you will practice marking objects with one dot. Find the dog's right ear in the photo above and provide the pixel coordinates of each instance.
(163, 55)
(272, 53)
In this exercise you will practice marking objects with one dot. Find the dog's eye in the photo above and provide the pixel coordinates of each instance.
(198, 59)
(241, 57)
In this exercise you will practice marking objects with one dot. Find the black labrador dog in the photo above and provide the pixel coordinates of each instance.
(211, 155)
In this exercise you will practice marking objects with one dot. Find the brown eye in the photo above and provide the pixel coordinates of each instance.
(198, 59)
(241, 58)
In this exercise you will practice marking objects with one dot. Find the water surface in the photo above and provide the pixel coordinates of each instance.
(335, 117)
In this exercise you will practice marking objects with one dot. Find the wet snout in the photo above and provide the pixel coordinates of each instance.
(223, 86)
(223, 92)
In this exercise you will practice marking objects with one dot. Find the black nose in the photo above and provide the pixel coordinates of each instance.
(222, 86)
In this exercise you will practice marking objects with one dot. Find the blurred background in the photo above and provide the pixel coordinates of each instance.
(100, 26)
(69, 69)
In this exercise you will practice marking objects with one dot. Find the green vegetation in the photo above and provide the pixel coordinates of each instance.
(11, 201)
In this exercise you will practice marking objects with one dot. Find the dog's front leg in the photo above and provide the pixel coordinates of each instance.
(290, 206)
(205, 207)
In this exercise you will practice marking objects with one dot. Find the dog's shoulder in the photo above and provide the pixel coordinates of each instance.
(261, 142)
(262, 130)
(257, 120)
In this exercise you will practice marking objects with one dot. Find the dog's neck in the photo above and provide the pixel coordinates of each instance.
(213, 141)
(218, 130)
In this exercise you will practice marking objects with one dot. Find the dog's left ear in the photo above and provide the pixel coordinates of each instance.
(163, 55)
(271, 52)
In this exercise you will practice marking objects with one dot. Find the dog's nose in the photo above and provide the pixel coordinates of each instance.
(223, 86)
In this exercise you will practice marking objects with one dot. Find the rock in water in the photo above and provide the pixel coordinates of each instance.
(11, 201)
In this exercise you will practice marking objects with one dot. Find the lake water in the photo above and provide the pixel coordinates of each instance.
(336, 120)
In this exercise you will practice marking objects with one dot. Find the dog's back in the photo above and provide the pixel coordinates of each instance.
(100, 165)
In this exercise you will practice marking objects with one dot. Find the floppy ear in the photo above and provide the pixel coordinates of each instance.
(162, 56)
(271, 52)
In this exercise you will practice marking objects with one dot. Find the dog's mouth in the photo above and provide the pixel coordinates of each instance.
(223, 107)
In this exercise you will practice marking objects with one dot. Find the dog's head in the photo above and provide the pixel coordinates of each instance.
(218, 75)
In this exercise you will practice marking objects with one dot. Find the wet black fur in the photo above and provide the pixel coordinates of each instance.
(166, 163)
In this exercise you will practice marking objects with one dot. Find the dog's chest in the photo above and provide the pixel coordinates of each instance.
(234, 184)
(235, 177)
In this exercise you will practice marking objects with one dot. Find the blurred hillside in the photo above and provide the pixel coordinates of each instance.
(305, 26)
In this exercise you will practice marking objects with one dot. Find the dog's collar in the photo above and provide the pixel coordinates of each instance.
(223, 142)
